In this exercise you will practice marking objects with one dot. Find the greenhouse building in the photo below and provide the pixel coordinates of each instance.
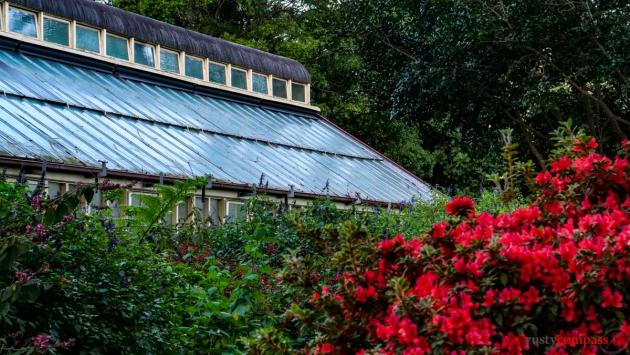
(90, 91)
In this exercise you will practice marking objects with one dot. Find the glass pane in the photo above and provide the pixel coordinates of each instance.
(259, 83)
(54, 190)
(279, 88)
(56, 31)
(117, 47)
(22, 22)
(169, 61)
(199, 203)
(136, 201)
(168, 219)
(235, 212)
(87, 39)
(194, 67)
(182, 212)
(114, 206)
(143, 54)
(96, 199)
(216, 73)
(214, 211)
(298, 92)
(239, 79)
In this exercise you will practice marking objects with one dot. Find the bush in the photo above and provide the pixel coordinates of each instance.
(548, 277)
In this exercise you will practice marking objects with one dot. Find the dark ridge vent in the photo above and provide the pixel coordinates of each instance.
(146, 29)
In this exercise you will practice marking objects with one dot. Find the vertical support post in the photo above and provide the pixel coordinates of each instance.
(4, 21)
(182, 63)
(156, 56)
(131, 49)
(40, 26)
(73, 34)
(103, 39)
(289, 89)
(228, 75)
(248, 80)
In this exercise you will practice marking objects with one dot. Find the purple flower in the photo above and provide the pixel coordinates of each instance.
(36, 202)
(41, 341)
(23, 276)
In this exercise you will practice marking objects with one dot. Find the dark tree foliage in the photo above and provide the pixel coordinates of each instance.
(430, 83)
(462, 69)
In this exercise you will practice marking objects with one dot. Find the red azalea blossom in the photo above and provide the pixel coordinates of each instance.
(611, 299)
(461, 206)
(325, 348)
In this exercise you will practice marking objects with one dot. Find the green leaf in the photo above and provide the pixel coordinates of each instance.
(28, 293)
(504, 279)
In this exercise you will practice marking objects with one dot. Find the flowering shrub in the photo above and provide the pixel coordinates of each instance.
(488, 283)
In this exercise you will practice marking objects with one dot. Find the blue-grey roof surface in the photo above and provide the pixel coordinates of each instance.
(71, 114)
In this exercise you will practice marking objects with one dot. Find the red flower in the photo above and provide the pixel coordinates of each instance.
(611, 299)
(362, 294)
(461, 206)
(325, 348)
(543, 178)
(439, 230)
(562, 164)
(622, 338)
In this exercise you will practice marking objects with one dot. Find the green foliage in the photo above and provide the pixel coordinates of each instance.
(155, 209)
(92, 283)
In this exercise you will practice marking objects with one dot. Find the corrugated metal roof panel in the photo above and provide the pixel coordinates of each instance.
(62, 113)
(49, 80)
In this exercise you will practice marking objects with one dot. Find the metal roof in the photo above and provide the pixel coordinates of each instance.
(66, 113)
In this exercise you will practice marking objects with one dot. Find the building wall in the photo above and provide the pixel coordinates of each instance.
(221, 206)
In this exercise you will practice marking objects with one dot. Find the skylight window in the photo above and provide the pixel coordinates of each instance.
(298, 92)
(279, 88)
(22, 22)
(144, 54)
(87, 39)
(56, 31)
(239, 78)
(169, 61)
(117, 47)
(194, 67)
(216, 73)
(259, 83)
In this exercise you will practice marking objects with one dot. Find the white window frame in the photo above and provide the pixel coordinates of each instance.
(247, 81)
(302, 85)
(70, 30)
(225, 71)
(38, 21)
(227, 209)
(153, 47)
(132, 193)
(286, 86)
(203, 70)
(128, 40)
(266, 80)
(179, 61)
(101, 44)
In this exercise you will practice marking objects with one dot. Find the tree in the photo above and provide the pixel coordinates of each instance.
(461, 70)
